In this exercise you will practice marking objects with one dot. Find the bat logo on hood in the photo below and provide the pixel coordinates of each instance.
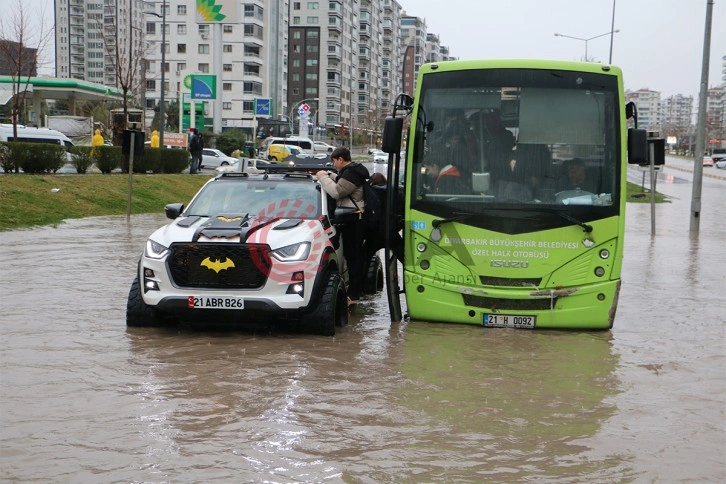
(216, 265)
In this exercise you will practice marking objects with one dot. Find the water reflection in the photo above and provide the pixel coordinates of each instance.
(509, 404)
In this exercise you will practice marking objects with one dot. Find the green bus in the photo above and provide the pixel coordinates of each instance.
(512, 191)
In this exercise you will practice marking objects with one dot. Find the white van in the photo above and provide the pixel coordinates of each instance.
(305, 143)
(34, 135)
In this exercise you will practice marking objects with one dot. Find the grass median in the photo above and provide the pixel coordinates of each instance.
(35, 200)
(32, 200)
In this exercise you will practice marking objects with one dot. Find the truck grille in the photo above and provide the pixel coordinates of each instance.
(219, 266)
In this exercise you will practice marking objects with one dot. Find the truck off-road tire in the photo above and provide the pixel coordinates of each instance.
(329, 310)
(138, 313)
(374, 276)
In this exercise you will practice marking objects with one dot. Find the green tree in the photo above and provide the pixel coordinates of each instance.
(230, 140)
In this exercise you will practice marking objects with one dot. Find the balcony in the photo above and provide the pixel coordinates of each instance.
(334, 52)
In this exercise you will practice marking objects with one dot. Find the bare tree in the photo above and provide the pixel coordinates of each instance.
(21, 42)
(125, 57)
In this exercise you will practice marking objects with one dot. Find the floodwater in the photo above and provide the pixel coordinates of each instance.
(84, 399)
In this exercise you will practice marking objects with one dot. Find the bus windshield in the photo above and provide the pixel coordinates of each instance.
(529, 141)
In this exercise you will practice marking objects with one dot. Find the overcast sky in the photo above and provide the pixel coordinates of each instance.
(659, 44)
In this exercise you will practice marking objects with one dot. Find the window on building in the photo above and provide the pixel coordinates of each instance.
(204, 29)
(228, 29)
(311, 48)
(296, 20)
(295, 77)
(248, 106)
(296, 5)
(181, 48)
(296, 35)
(150, 28)
(203, 48)
(181, 66)
(203, 67)
(311, 91)
(227, 48)
(312, 5)
(226, 106)
(181, 29)
(311, 62)
(313, 20)
(150, 85)
(296, 48)
(181, 9)
(227, 67)
(226, 86)
(312, 34)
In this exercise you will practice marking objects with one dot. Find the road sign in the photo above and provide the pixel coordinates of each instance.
(175, 139)
(305, 107)
(263, 107)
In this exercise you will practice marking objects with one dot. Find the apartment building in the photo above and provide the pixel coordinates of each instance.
(92, 39)
(677, 115)
(649, 108)
(347, 59)
(413, 46)
(253, 57)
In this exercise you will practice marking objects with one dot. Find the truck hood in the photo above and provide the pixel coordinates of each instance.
(240, 229)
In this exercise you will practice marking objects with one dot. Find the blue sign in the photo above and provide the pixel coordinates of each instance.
(263, 107)
(204, 86)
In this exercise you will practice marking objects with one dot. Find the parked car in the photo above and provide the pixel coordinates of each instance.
(720, 163)
(322, 147)
(707, 161)
(212, 158)
(249, 250)
(278, 152)
(380, 157)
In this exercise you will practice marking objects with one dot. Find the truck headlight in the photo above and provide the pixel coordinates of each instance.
(291, 253)
(155, 250)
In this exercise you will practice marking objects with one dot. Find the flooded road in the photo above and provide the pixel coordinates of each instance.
(83, 399)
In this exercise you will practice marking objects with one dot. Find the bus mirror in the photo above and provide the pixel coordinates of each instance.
(392, 131)
(637, 146)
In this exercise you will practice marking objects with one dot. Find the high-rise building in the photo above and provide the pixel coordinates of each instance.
(649, 108)
(16, 59)
(253, 57)
(92, 39)
(413, 48)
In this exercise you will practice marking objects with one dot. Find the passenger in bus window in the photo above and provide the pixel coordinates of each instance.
(579, 178)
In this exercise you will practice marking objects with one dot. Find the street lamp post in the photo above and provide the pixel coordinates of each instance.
(589, 39)
(162, 107)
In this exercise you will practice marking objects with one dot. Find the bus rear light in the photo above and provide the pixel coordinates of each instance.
(604, 254)
(424, 264)
(599, 271)
(421, 247)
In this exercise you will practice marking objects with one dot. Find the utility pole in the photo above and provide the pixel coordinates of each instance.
(700, 129)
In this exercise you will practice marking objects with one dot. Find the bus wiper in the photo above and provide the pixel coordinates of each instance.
(585, 227)
(436, 223)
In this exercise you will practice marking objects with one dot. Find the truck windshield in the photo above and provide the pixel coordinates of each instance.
(534, 140)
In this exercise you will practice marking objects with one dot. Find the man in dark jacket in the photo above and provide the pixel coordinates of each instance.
(196, 145)
(347, 190)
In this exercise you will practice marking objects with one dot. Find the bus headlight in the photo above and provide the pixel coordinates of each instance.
(604, 254)
(421, 247)
(599, 271)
